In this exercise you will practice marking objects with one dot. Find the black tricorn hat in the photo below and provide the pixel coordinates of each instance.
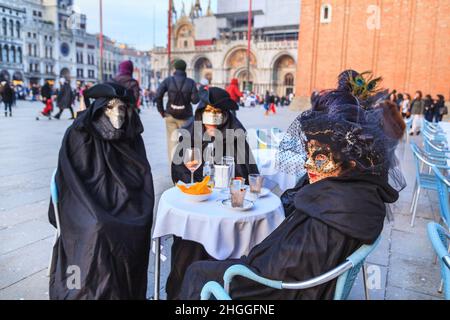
(216, 97)
(108, 90)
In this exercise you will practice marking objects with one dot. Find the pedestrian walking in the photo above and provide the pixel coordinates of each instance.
(405, 106)
(65, 98)
(272, 108)
(182, 93)
(125, 79)
(235, 94)
(47, 100)
(8, 97)
(440, 109)
(429, 108)
(417, 111)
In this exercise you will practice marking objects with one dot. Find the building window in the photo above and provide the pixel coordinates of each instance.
(4, 26)
(31, 67)
(13, 54)
(289, 80)
(19, 51)
(325, 13)
(1, 54)
(6, 53)
(185, 43)
(11, 28)
(18, 29)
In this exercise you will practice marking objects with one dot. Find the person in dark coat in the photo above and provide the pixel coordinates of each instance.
(182, 93)
(106, 200)
(65, 98)
(125, 79)
(8, 96)
(47, 100)
(429, 108)
(214, 105)
(439, 109)
(337, 207)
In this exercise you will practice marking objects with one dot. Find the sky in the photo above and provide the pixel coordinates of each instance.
(139, 23)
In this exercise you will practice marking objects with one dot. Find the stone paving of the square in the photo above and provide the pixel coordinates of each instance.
(28, 156)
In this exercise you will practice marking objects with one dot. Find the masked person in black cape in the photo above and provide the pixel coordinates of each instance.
(340, 204)
(106, 200)
(213, 121)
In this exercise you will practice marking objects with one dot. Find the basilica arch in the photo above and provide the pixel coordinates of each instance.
(184, 36)
(283, 75)
(203, 68)
(235, 64)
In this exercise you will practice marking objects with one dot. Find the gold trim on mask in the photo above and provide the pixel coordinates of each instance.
(320, 159)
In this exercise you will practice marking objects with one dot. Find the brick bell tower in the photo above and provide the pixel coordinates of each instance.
(407, 42)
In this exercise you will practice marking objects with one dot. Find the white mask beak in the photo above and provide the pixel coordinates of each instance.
(213, 119)
(116, 112)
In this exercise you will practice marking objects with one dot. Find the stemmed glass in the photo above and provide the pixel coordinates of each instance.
(192, 160)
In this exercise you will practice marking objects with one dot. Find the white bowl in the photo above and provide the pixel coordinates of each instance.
(196, 197)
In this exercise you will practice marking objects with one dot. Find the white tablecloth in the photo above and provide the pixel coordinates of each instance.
(225, 234)
(266, 162)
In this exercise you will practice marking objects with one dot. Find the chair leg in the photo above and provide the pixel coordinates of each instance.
(441, 286)
(413, 197)
(416, 202)
(366, 289)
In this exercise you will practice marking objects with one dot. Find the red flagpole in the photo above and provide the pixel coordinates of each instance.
(249, 38)
(101, 40)
(169, 35)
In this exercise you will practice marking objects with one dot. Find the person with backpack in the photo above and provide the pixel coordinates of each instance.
(182, 93)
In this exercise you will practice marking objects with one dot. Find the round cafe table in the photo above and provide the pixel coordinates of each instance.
(223, 232)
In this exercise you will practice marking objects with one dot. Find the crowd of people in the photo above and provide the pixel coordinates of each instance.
(419, 108)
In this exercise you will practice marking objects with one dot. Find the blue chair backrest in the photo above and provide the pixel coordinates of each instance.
(417, 160)
(443, 184)
(54, 189)
(346, 280)
(439, 238)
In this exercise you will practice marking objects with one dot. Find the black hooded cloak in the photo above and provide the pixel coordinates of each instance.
(326, 222)
(106, 200)
(185, 252)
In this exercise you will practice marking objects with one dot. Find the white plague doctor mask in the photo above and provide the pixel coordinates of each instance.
(116, 112)
(212, 116)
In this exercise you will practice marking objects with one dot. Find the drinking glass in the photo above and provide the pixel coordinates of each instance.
(256, 183)
(238, 192)
(229, 161)
(192, 160)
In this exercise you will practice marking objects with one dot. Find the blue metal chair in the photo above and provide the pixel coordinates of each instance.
(55, 199)
(345, 273)
(408, 123)
(437, 137)
(435, 149)
(443, 188)
(432, 127)
(439, 238)
(423, 180)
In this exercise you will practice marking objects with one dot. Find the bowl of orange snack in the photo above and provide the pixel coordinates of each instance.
(197, 192)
